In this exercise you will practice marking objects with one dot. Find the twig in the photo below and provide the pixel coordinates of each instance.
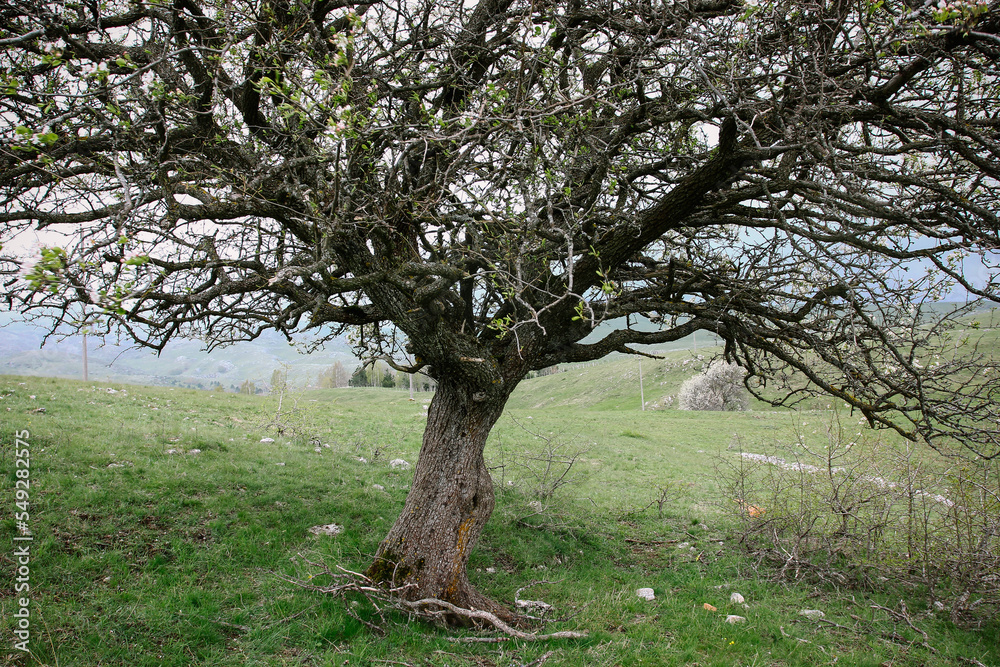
(288, 618)
(971, 661)
(650, 543)
(425, 607)
(540, 661)
(241, 628)
(836, 625)
(906, 619)
(785, 634)
(428, 608)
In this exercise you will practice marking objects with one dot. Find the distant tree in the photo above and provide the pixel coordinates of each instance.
(340, 374)
(360, 378)
(279, 380)
(248, 388)
(334, 376)
(476, 185)
(718, 387)
(402, 380)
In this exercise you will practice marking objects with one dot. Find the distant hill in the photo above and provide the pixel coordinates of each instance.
(183, 363)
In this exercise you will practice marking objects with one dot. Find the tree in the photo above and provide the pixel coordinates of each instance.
(279, 380)
(718, 387)
(479, 184)
(334, 376)
(359, 378)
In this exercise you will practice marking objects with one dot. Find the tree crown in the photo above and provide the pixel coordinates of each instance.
(484, 182)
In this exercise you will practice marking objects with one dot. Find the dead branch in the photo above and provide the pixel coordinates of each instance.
(432, 609)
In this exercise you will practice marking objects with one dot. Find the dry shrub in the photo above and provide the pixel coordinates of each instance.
(861, 512)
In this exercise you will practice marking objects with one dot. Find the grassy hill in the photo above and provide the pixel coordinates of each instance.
(166, 529)
(183, 363)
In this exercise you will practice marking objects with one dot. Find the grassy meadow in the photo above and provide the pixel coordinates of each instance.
(165, 531)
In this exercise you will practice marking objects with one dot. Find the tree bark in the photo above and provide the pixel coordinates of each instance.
(449, 503)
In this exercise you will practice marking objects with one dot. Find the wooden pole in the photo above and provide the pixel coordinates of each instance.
(85, 370)
(642, 395)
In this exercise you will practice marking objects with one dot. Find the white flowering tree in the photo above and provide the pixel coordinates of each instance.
(718, 387)
(482, 182)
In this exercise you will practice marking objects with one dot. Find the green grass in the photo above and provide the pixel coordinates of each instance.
(146, 557)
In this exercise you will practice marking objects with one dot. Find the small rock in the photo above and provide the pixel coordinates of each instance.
(534, 605)
(173, 451)
(732, 618)
(328, 529)
(684, 545)
(362, 459)
(814, 614)
(939, 605)
(491, 570)
(736, 598)
(267, 440)
(194, 451)
(399, 463)
(318, 450)
(280, 463)
(378, 487)
(646, 593)
(709, 607)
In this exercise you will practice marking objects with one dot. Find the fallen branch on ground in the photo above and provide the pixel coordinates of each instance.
(431, 609)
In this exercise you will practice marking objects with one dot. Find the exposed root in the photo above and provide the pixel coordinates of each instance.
(383, 600)
(433, 608)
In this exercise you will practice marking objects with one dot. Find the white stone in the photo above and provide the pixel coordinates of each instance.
(378, 487)
(194, 451)
(399, 463)
(646, 593)
(812, 613)
(732, 618)
(534, 605)
(267, 440)
(736, 598)
(328, 529)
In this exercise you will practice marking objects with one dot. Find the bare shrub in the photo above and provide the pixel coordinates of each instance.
(541, 471)
(860, 512)
(718, 387)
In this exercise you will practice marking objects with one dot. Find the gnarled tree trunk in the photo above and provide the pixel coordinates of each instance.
(448, 505)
